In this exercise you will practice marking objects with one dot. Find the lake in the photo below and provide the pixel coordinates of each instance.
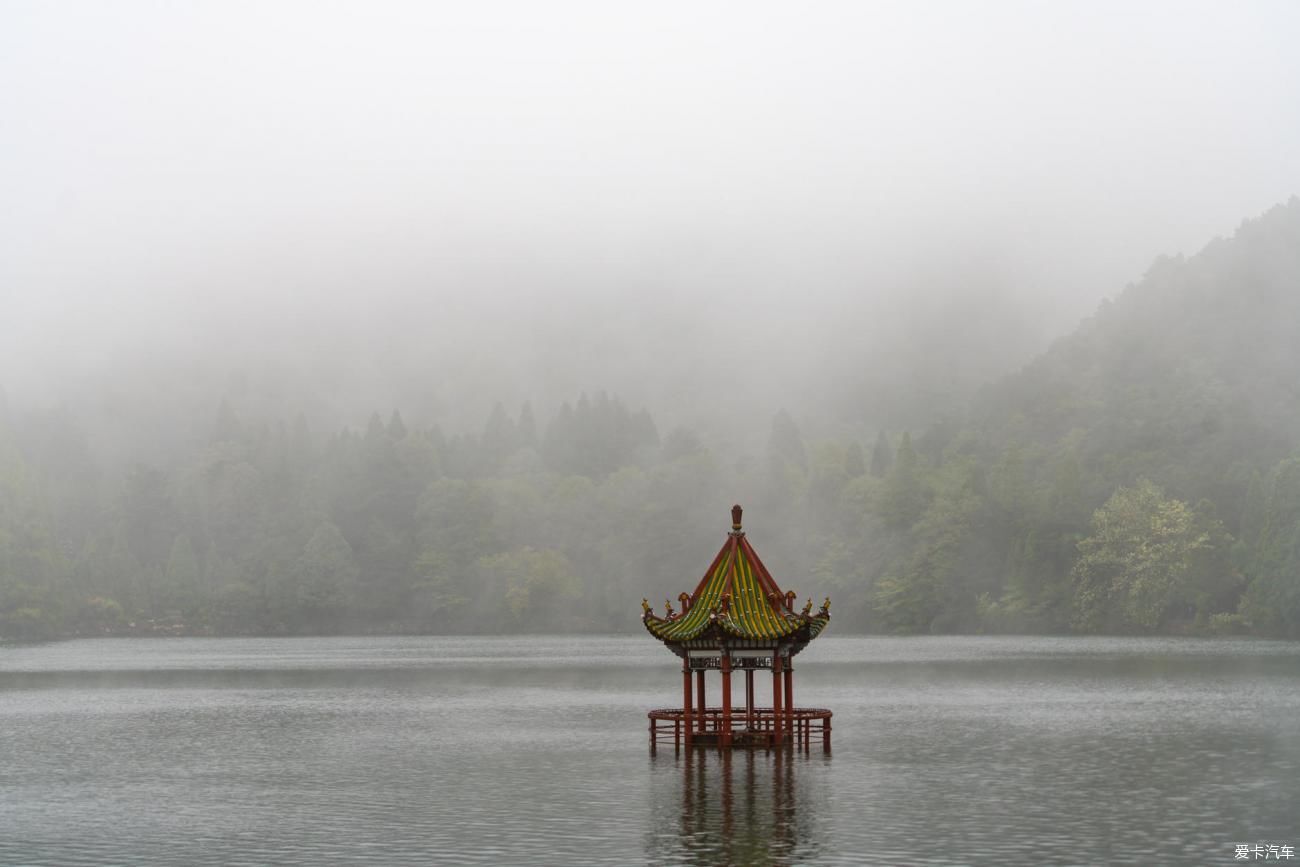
(533, 750)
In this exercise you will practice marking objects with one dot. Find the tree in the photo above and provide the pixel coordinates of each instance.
(1272, 530)
(855, 463)
(396, 427)
(882, 456)
(326, 576)
(923, 591)
(1137, 570)
(785, 445)
(526, 427)
(538, 586)
(457, 526)
(903, 498)
(28, 611)
(183, 575)
(597, 437)
(499, 440)
(99, 616)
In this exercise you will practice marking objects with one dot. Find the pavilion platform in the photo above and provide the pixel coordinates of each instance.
(755, 728)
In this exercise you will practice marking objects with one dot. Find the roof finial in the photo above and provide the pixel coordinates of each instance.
(735, 516)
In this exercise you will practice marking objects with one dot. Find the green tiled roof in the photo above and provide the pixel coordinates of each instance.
(737, 597)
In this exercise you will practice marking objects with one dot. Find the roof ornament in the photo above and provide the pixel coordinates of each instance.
(685, 599)
(807, 609)
(736, 512)
(726, 604)
(790, 596)
(826, 606)
(668, 606)
(646, 611)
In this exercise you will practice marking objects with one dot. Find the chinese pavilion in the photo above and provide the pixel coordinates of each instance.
(737, 619)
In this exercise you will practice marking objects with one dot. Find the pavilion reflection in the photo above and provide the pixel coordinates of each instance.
(736, 807)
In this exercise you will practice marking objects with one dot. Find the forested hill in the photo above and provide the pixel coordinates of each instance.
(1184, 390)
(1186, 375)
(1140, 476)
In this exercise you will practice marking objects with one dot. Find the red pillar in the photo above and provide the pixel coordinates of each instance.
(725, 737)
(686, 700)
(699, 698)
(789, 696)
(777, 722)
(749, 698)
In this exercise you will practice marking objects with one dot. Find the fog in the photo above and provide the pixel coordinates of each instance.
(713, 211)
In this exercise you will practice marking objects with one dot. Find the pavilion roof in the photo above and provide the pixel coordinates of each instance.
(737, 597)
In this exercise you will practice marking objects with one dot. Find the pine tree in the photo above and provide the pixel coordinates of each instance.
(903, 497)
(882, 456)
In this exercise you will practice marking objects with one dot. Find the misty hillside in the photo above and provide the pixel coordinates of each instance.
(1185, 381)
(1139, 475)
(1187, 375)
(1136, 477)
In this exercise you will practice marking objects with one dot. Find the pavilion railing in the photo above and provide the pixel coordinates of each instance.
(756, 727)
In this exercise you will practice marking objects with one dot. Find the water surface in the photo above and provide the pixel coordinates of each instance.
(533, 751)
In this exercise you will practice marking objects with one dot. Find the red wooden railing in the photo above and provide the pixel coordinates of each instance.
(756, 727)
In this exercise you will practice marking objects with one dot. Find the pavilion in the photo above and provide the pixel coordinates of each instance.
(737, 619)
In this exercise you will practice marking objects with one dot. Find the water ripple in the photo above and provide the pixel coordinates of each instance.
(473, 751)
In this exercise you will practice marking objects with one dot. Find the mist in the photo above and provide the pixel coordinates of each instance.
(711, 211)
(369, 372)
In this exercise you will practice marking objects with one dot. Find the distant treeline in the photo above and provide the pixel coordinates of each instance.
(1140, 477)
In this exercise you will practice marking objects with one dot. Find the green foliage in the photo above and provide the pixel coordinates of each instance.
(1271, 529)
(925, 592)
(535, 590)
(28, 611)
(882, 456)
(99, 616)
(903, 498)
(1031, 512)
(184, 576)
(325, 578)
(785, 444)
(1145, 561)
(596, 437)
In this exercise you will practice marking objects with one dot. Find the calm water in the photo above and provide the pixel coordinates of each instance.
(533, 751)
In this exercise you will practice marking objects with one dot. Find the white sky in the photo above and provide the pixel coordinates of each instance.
(565, 195)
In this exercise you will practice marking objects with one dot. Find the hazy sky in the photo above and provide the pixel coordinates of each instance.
(542, 197)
